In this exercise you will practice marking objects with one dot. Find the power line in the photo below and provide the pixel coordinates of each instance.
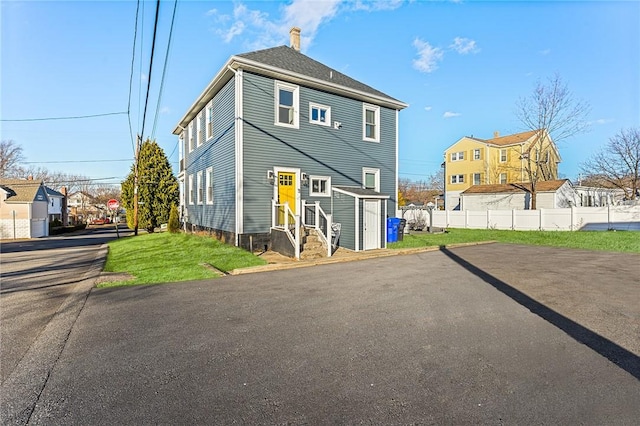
(153, 46)
(133, 57)
(76, 161)
(164, 70)
(76, 117)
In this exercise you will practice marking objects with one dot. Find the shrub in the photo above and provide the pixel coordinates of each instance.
(174, 222)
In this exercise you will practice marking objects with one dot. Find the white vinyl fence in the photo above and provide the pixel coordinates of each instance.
(566, 219)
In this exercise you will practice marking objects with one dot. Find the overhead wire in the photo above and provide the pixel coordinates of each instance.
(153, 46)
(133, 57)
(75, 117)
(164, 69)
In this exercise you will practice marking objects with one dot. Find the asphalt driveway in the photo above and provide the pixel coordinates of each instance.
(443, 337)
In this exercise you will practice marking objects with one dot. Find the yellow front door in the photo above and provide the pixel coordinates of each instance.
(286, 194)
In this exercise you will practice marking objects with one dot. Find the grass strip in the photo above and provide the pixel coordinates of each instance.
(167, 257)
(612, 241)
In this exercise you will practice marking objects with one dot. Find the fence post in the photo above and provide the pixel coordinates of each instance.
(573, 218)
(488, 219)
(297, 236)
(273, 213)
(466, 219)
(608, 216)
(513, 219)
(328, 236)
(540, 221)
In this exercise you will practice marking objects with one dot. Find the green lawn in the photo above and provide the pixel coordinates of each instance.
(166, 257)
(615, 241)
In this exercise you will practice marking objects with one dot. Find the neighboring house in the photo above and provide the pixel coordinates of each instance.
(276, 132)
(83, 207)
(57, 208)
(500, 160)
(517, 196)
(23, 209)
(589, 196)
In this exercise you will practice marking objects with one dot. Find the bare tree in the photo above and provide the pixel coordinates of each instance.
(553, 112)
(10, 158)
(617, 164)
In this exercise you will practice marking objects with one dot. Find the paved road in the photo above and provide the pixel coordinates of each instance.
(37, 278)
(442, 337)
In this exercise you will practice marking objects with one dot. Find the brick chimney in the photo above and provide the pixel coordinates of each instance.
(496, 134)
(294, 38)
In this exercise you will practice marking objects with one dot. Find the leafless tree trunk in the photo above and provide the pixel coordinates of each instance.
(617, 164)
(552, 111)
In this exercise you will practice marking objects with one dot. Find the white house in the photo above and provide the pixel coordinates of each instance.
(550, 194)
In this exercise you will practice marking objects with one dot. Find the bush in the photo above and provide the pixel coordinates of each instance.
(174, 222)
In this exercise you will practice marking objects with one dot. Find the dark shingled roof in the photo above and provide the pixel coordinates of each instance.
(20, 190)
(289, 59)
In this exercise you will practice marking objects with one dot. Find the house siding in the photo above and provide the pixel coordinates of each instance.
(344, 208)
(217, 152)
(312, 148)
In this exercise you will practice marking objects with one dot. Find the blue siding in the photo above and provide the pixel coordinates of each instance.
(219, 153)
(314, 149)
(344, 207)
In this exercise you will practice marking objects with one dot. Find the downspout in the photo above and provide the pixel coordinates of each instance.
(239, 198)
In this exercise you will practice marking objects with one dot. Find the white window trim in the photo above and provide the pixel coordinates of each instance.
(459, 156)
(376, 109)
(296, 104)
(479, 175)
(457, 178)
(505, 178)
(199, 129)
(320, 194)
(209, 184)
(209, 121)
(190, 141)
(327, 121)
(376, 172)
(200, 188)
(191, 189)
(506, 156)
(479, 152)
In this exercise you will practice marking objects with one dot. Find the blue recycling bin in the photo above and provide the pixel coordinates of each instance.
(393, 223)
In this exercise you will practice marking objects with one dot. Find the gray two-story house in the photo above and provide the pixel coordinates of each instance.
(278, 144)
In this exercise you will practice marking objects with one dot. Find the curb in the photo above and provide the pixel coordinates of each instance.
(332, 260)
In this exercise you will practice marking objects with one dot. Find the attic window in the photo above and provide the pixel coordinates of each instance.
(287, 105)
(319, 114)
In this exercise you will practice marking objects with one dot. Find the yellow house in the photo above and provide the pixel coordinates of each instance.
(503, 159)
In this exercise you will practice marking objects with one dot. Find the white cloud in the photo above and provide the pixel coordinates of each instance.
(211, 12)
(376, 5)
(464, 45)
(545, 52)
(428, 56)
(235, 30)
(428, 108)
(450, 114)
(165, 110)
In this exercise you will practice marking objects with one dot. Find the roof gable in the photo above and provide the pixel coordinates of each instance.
(23, 190)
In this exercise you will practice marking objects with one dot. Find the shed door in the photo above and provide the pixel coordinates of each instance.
(371, 223)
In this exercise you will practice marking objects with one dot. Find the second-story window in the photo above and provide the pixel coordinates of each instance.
(287, 105)
(199, 129)
(371, 123)
(457, 156)
(191, 189)
(476, 154)
(191, 137)
(371, 178)
(209, 122)
(319, 114)
(457, 178)
(503, 155)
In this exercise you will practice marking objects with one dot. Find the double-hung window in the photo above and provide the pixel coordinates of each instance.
(199, 128)
(371, 123)
(200, 188)
(476, 154)
(191, 189)
(191, 137)
(371, 178)
(319, 186)
(503, 178)
(209, 120)
(457, 156)
(503, 155)
(477, 178)
(319, 114)
(209, 183)
(287, 105)
(457, 178)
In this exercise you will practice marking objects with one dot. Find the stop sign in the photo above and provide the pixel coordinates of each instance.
(113, 204)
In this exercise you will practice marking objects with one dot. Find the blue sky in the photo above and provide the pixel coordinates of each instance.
(461, 66)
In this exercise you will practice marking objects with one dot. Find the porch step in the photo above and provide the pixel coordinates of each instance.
(312, 247)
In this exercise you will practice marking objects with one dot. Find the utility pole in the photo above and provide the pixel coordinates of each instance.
(135, 188)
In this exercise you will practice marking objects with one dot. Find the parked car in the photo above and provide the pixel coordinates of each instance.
(100, 221)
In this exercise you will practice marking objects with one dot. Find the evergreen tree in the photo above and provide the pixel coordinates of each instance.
(157, 188)
(174, 220)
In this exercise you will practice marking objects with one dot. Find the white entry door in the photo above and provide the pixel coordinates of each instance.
(371, 224)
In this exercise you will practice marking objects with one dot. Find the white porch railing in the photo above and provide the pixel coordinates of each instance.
(282, 218)
(314, 217)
